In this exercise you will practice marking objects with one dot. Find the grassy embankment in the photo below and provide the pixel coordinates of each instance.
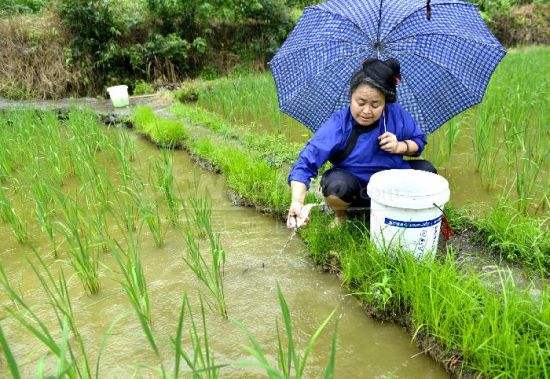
(477, 328)
(76, 202)
(505, 137)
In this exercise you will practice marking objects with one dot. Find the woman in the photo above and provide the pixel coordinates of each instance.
(372, 134)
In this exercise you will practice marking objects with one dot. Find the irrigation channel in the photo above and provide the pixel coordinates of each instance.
(256, 263)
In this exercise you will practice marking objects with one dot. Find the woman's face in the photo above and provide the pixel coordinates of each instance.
(367, 104)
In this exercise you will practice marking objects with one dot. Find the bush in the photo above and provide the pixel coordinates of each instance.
(524, 25)
(143, 88)
(9, 7)
(168, 40)
(33, 60)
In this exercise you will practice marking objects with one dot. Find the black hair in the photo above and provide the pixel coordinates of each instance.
(382, 75)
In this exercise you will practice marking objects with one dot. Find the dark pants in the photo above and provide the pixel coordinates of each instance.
(349, 188)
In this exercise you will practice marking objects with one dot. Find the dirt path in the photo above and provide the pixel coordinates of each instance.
(159, 101)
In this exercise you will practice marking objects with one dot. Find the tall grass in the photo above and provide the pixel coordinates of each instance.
(290, 363)
(495, 330)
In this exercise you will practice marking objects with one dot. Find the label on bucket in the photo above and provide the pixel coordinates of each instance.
(418, 236)
(412, 224)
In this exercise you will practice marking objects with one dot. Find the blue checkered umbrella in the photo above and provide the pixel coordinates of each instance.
(446, 52)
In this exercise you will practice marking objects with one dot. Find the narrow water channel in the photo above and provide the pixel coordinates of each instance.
(255, 264)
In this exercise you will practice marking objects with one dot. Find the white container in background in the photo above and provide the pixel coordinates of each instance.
(119, 96)
(403, 213)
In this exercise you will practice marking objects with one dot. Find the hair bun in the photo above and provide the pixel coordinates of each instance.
(394, 65)
(368, 63)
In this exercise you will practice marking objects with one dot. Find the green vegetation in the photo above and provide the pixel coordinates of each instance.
(274, 149)
(488, 335)
(55, 174)
(163, 132)
(290, 364)
(211, 275)
(511, 335)
(510, 142)
(515, 236)
(143, 88)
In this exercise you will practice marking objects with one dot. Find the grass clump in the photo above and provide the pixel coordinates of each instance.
(275, 149)
(250, 177)
(488, 330)
(163, 132)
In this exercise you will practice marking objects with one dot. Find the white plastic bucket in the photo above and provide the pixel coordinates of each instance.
(403, 213)
(119, 96)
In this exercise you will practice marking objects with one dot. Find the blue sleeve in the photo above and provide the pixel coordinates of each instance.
(412, 132)
(317, 151)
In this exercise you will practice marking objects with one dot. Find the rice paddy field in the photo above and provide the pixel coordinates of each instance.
(122, 255)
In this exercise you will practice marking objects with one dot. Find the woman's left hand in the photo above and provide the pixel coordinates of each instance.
(388, 142)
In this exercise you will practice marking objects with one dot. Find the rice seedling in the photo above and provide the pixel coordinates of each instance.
(200, 359)
(290, 363)
(201, 213)
(165, 182)
(150, 212)
(516, 236)
(44, 211)
(134, 285)
(82, 252)
(211, 275)
(125, 151)
(134, 282)
(7, 214)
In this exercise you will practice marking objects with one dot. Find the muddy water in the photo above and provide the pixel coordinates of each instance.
(255, 264)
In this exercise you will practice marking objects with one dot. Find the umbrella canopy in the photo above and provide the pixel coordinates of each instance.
(446, 52)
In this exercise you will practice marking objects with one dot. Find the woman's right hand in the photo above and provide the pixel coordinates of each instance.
(294, 219)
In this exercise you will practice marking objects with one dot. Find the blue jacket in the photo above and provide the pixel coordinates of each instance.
(367, 157)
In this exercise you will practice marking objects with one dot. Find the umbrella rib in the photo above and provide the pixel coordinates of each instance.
(420, 8)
